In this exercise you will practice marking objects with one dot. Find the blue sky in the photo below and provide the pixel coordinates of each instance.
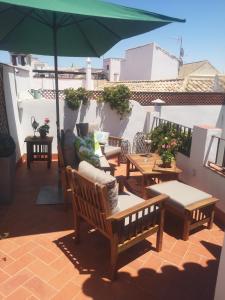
(202, 34)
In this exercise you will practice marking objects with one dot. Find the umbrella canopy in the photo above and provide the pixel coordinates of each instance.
(85, 28)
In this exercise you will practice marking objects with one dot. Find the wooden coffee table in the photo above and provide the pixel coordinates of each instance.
(146, 164)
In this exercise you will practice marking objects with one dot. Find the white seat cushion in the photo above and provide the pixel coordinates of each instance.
(103, 162)
(181, 195)
(111, 150)
(127, 200)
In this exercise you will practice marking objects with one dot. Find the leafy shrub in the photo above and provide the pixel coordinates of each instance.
(74, 98)
(167, 137)
(118, 98)
(7, 145)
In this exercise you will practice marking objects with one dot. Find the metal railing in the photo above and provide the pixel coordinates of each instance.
(184, 131)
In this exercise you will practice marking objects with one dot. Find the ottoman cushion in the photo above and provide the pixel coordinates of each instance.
(181, 195)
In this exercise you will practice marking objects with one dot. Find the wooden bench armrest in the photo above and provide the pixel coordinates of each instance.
(202, 203)
(115, 139)
(136, 208)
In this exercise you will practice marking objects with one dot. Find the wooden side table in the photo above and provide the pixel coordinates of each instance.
(39, 149)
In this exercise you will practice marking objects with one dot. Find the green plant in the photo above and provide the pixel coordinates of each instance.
(118, 98)
(167, 156)
(7, 145)
(74, 98)
(164, 137)
(44, 129)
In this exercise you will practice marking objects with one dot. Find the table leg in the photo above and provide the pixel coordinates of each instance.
(49, 155)
(28, 155)
(144, 184)
(128, 168)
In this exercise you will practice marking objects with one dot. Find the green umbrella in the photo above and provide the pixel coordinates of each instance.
(86, 28)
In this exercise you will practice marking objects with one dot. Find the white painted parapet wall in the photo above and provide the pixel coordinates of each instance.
(220, 287)
(195, 172)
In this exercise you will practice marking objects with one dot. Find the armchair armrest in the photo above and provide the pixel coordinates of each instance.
(115, 141)
(120, 180)
(147, 203)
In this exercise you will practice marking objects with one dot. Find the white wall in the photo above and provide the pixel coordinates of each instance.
(114, 68)
(137, 64)
(220, 288)
(190, 115)
(14, 84)
(195, 173)
(49, 83)
(164, 65)
(148, 62)
(94, 113)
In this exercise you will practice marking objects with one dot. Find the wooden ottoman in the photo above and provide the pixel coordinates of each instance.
(194, 206)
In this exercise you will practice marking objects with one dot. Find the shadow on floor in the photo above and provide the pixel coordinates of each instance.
(91, 258)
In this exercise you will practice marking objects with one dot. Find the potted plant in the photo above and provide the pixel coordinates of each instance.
(74, 98)
(7, 168)
(44, 129)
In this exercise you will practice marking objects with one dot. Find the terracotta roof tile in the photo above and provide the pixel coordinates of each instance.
(191, 84)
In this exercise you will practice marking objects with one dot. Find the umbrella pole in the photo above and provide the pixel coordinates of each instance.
(56, 77)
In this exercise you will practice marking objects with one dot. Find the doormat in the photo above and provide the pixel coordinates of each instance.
(49, 195)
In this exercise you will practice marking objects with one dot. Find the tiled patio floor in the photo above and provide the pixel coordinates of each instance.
(39, 259)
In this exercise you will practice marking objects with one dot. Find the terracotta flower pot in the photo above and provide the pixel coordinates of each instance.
(43, 133)
(166, 164)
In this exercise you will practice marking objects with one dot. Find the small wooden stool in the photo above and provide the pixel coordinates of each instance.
(192, 205)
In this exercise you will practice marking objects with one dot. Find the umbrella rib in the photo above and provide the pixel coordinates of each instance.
(42, 19)
(15, 26)
(64, 18)
(37, 17)
(6, 9)
(108, 29)
(85, 37)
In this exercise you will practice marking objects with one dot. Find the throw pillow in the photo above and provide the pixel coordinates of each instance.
(101, 136)
(101, 177)
(88, 155)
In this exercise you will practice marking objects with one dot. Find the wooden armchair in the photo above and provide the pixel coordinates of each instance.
(124, 228)
(114, 142)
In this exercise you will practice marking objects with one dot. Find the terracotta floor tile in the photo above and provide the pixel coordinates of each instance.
(48, 264)
(70, 291)
(40, 289)
(63, 277)
(191, 257)
(20, 294)
(170, 257)
(60, 263)
(42, 270)
(19, 264)
(7, 245)
(20, 251)
(180, 248)
(5, 260)
(43, 254)
(14, 282)
(3, 276)
(154, 262)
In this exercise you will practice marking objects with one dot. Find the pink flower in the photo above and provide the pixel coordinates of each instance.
(47, 120)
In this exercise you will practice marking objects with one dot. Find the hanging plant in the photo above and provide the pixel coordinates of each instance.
(118, 98)
(74, 98)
